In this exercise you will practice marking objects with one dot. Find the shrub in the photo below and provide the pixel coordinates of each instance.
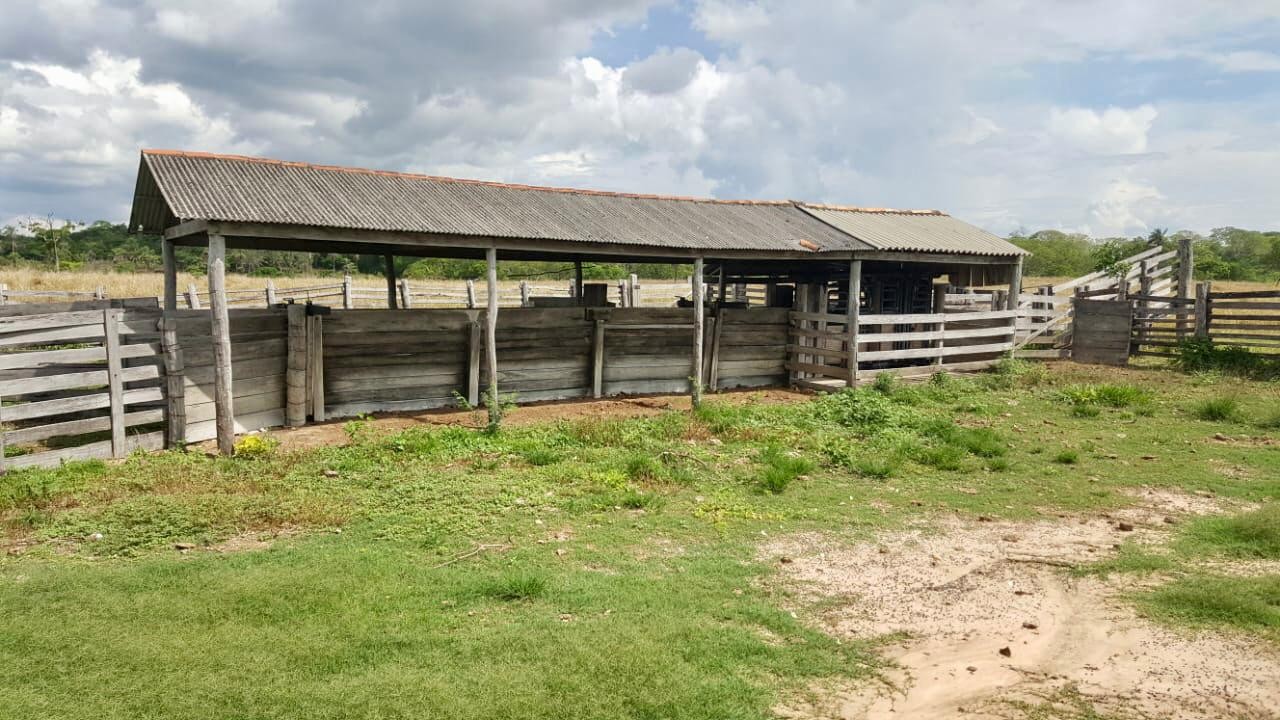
(943, 457)
(256, 446)
(541, 456)
(885, 383)
(876, 467)
(642, 467)
(1109, 395)
(1203, 355)
(866, 412)
(1217, 409)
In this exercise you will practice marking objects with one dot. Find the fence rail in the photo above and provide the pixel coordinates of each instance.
(1248, 319)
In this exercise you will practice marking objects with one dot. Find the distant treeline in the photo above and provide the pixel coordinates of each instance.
(1224, 254)
(104, 245)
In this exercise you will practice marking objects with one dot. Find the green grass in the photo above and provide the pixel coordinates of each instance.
(1246, 604)
(1217, 409)
(1067, 457)
(606, 567)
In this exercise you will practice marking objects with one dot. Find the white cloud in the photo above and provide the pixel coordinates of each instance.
(1110, 132)
(1126, 205)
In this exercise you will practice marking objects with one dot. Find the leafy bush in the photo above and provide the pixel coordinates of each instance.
(1067, 457)
(1203, 355)
(1107, 394)
(642, 467)
(867, 412)
(256, 446)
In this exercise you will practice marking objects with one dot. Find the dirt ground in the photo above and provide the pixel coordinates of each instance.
(332, 433)
(988, 617)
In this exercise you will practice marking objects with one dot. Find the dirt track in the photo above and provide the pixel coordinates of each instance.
(992, 619)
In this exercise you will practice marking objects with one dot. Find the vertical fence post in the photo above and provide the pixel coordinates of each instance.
(940, 307)
(634, 300)
(524, 294)
(597, 358)
(100, 293)
(698, 312)
(221, 333)
(193, 297)
(1186, 267)
(3, 469)
(622, 293)
(4, 293)
(853, 310)
(491, 337)
(471, 294)
(390, 261)
(295, 378)
(347, 300)
(175, 384)
(1015, 286)
(1202, 308)
(170, 265)
(271, 293)
(115, 381)
(406, 298)
(474, 345)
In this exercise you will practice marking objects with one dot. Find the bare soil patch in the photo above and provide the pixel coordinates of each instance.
(990, 618)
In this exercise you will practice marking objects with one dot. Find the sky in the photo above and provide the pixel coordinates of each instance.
(1108, 117)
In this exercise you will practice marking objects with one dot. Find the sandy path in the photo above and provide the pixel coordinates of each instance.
(992, 619)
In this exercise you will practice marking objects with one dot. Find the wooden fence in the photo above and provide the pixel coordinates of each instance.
(820, 352)
(79, 385)
(1244, 319)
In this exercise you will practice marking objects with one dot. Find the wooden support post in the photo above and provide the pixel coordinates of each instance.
(100, 293)
(175, 416)
(271, 293)
(940, 307)
(524, 294)
(221, 322)
(713, 362)
(853, 310)
(347, 300)
(491, 337)
(3, 469)
(622, 293)
(471, 294)
(770, 292)
(389, 261)
(634, 290)
(800, 303)
(295, 378)
(193, 297)
(474, 346)
(115, 381)
(597, 362)
(1202, 308)
(1015, 285)
(1144, 305)
(315, 366)
(698, 312)
(406, 297)
(170, 275)
(577, 280)
(1186, 268)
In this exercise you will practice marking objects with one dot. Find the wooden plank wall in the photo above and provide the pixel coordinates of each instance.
(751, 348)
(1101, 333)
(259, 343)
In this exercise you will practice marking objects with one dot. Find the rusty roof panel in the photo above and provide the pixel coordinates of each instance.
(238, 189)
(913, 231)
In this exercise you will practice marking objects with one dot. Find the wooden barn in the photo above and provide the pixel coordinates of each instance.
(768, 304)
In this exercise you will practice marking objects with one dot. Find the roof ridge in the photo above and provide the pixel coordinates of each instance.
(461, 181)
(854, 208)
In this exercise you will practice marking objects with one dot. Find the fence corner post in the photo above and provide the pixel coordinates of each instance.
(1186, 267)
(296, 366)
(347, 301)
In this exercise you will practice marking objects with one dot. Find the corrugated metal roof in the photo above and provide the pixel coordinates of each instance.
(913, 231)
(174, 186)
(239, 189)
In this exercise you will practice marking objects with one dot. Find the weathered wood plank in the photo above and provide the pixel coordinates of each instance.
(90, 451)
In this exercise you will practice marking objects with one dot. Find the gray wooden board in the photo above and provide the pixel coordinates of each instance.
(101, 449)
(200, 431)
(244, 405)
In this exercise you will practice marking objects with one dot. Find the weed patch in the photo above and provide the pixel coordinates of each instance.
(1250, 604)
(1217, 409)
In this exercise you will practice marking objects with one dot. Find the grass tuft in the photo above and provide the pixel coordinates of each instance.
(1067, 457)
(1252, 535)
(1250, 604)
(516, 586)
(1217, 409)
(780, 469)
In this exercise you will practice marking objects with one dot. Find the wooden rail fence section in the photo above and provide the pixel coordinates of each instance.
(78, 385)
(1248, 319)
(907, 345)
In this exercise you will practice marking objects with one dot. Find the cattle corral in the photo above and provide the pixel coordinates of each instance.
(766, 307)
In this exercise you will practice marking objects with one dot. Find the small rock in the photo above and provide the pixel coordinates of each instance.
(715, 441)
(330, 473)
(1009, 538)
(972, 669)
(1021, 592)
(1028, 625)
(784, 560)
(184, 546)
(1221, 438)
(984, 518)
(1005, 651)
(561, 552)
(566, 617)
(95, 537)
(1150, 457)
(1169, 521)
(1124, 527)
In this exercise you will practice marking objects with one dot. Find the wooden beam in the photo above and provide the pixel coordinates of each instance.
(491, 336)
(390, 261)
(852, 311)
(170, 275)
(315, 366)
(925, 257)
(698, 312)
(221, 327)
(187, 230)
